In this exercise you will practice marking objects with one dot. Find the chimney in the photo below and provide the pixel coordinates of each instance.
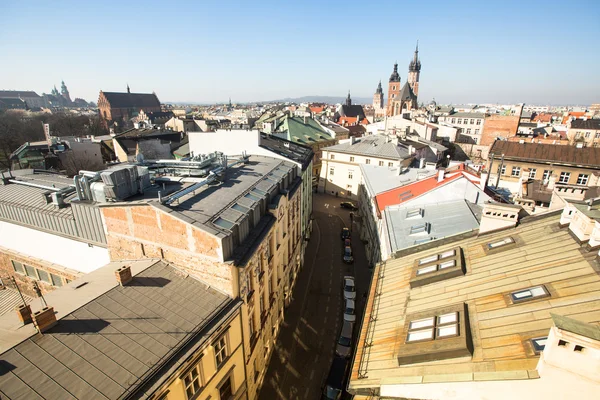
(304, 119)
(441, 173)
(44, 319)
(24, 313)
(123, 275)
(497, 216)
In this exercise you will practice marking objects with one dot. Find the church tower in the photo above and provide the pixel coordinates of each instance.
(378, 98)
(65, 92)
(414, 69)
(393, 89)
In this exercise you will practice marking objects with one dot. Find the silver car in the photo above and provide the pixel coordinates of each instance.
(349, 312)
(349, 288)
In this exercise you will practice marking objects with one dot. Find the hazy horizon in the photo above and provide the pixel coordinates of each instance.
(531, 52)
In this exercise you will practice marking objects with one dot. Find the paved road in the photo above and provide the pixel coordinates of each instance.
(306, 342)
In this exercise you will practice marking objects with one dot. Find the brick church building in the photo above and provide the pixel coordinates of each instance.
(118, 107)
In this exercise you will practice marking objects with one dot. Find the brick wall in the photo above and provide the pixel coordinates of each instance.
(498, 126)
(25, 282)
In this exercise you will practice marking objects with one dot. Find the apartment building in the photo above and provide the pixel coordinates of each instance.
(341, 163)
(470, 125)
(550, 164)
(584, 131)
(507, 314)
(233, 223)
(132, 329)
(45, 235)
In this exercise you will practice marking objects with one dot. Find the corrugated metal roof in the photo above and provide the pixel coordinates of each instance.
(111, 345)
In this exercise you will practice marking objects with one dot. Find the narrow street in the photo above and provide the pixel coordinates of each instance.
(306, 342)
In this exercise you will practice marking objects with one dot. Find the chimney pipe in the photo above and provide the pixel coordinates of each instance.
(123, 275)
(441, 173)
(44, 319)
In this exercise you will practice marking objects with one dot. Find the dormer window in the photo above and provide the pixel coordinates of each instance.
(420, 228)
(437, 267)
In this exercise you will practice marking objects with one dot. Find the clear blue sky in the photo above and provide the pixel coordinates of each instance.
(543, 52)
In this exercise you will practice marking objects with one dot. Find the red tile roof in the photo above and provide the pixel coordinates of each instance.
(416, 189)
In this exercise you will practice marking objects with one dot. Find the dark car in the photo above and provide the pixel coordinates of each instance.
(347, 255)
(347, 242)
(345, 233)
(349, 205)
(334, 386)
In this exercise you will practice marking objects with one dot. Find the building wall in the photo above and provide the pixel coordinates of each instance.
(470, 129)
(346, 172)
(499, 126)
(212, 376)
(591, 137)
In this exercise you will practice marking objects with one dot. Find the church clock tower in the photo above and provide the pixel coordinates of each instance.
(378, 98)
(414, 69)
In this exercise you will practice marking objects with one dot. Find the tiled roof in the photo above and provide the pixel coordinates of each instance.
(353, 110)
(499, 330)
(587, 124)
(547, 153)
(132, 100)
(18, 93)
(376, 146)
(111, 347)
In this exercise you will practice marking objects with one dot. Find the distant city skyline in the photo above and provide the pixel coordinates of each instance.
(524, 52)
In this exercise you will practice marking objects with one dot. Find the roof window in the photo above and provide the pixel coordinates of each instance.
(437, 267)
(500, 243)
(420, 228)
(529, 294)
(414, 213)
(539, 344)
(223, 223)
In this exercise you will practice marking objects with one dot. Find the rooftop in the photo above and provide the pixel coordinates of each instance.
(496, 327)
(441, 220)
(295, 152)
(113, 338)
(467, 115)
(588, 157)
(300, 130)
(585, 124)
(131, 100)
(18, 93)
(375, 145)
(381, 179)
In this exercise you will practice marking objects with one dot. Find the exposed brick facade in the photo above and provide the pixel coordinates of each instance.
(499, 126)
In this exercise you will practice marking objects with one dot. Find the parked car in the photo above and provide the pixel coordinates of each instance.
(349, 288)
(345, 233)
(347, 255)
(347, 242)
(334, 385)
(344, 344)
(349, 205)
(349, 311)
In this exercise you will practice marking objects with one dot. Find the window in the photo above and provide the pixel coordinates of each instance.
(436, 267)
(563, 343)
(18, 267)
(192, 381)
(478, 122)
(587, 135)
(500, 243)
(564, 177)
(459, 121)
(435, 257)
(220, 350)
(390, 164)
(503, 170)
(30, 271)
(381, 163)
(420, 228)
(532, 172)
(44, 276)
(516, 171)
(468, 131)
(332, 156)
(225, 391)
(331, 171)
(251, 327)
(415, 212)
(350, 174)
(539, 344)
(433, 328)
(351, 159)
(477, 131)
(453, 120)
(578, 348)
(348, 186)
(256, 369)
(529, 293)
(597, 136)
(368, 161)
(582, 179)
(547, 174)
(472, 121)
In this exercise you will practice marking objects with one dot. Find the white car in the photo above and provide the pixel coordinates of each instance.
(349, 312)
(349, 288)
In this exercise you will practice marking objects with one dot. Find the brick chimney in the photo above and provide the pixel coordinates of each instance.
(24, 313)
(44, 319)
(123, 275)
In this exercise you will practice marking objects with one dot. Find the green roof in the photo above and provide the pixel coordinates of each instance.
(578, 327)
(304, 133)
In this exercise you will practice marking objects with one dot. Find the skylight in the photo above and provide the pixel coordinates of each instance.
(414, 213)
(420, 228)
(223, 223)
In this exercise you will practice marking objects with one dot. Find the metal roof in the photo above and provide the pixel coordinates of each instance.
(381, 179)
(111, 346)
(375, 145)
(444, 219)
(547, 153)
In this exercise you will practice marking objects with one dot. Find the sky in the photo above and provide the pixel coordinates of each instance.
(534, 52)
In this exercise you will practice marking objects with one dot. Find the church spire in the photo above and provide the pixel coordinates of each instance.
(395, 77)
(379, 88)
(348, 99)
(415, 64)
(128, 90)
